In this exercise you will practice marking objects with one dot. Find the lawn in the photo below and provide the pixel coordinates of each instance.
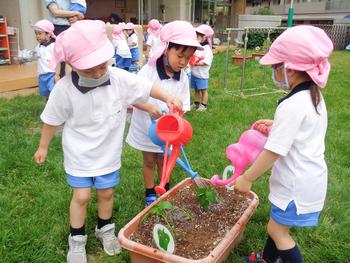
(34, 200)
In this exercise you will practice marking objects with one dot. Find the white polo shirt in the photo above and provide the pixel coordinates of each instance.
(154, 43)
(202, 72)
(94, 122)
(298, 136)
(122, 48)
(44, 53)
(133, 40)
(138, 136)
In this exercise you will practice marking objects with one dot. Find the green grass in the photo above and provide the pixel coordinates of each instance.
(34, 200)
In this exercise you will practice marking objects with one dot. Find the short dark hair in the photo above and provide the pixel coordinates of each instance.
(179, 46)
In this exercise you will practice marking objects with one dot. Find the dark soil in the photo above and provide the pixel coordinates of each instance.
(197, 236)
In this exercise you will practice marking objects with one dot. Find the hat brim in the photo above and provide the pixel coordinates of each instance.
(96, 57)
(200, 31)
(188, 42)
(269, 60)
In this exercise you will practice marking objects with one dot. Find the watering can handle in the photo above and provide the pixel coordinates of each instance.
(173, 110)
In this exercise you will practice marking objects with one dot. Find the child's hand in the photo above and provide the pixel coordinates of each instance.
(174, 102)
(73, 19)
(263, 126)
(57, 77)
(242, 184)
(40, 155)
(154, 111)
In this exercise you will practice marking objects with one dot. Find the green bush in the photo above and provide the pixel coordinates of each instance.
(259, 39)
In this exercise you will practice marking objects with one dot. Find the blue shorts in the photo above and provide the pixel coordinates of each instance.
(290, 217)
(134, 54)
(99, 182)
(121, 62)
(77, 7)
(46, 83)
(197, 83)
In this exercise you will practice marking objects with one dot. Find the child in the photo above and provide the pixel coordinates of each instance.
(295, 146)
(78, 5)
(153, 40)
(91, 103)
(44, 50)
(133, 45)
(165, 68)
(122, 51)
(200, 66)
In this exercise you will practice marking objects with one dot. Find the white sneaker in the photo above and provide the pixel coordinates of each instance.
(201, 108)
(108, 239)
(76, 252)
(194, 106)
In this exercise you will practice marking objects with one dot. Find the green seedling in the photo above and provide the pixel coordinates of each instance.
(159, 211)
(206, 196)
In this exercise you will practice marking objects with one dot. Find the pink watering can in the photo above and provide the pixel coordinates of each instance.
(250, 145)
(174, 130)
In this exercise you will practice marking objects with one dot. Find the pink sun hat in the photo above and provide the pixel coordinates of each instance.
(177, 32)
(84, 45)
(302, 48)
(129, 26)
(44, 26)
(207, 31)
(118, 33)
(154, 27)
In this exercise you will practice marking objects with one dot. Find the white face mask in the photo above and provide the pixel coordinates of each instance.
(91, 82)
(283, 84)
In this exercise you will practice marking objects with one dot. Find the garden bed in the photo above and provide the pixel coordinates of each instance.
(196, 237)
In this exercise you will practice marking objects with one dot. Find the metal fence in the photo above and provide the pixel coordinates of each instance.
(339, 34)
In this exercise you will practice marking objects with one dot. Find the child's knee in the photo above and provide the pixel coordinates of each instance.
(82, 198)
(105, 194)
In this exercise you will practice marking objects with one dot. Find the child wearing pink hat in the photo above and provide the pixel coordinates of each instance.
(200, 65)
(44, 50)
(132, 40)
(178, 43)
(296, 143)
(122, 51)
(91, 103)
(153, 39)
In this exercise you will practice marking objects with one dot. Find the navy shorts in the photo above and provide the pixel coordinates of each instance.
(99, 182)
(291, 218)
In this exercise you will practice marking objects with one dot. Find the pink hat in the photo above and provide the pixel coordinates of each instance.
(178, 32)
(44, 26)
(154, 27)
(207, 31)
(84, 45)
(117, 33)
(302, 48)
(129, 26)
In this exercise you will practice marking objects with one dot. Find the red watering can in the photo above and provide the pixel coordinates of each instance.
(174, 130)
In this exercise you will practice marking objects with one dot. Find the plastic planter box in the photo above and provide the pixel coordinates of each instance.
(144, 254)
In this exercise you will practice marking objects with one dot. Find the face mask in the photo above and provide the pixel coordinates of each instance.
(283, 84)
(91, 82)
(167, 64)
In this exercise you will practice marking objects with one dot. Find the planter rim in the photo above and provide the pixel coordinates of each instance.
(125, 232)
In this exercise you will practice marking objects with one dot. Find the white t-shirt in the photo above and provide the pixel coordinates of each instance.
(154, 43)
(80, 2)
(122, 48)
(138, 136)
(298, 135)
(132, 40)
(94, 122)
(206, 54)
(44, 54)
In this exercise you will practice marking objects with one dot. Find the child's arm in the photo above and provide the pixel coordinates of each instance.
(46, 136)
(64, 13)
(154, 111)
(264, 162)
(160, 94)
(57, 72)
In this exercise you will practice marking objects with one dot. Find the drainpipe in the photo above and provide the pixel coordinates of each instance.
(290, 14)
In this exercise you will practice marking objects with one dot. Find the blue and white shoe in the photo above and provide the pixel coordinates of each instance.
(149, 199)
